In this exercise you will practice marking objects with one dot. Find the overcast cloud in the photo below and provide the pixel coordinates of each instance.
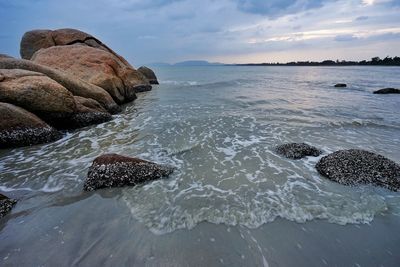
(224, 30)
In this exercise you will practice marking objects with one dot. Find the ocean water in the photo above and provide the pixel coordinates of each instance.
(232, 201)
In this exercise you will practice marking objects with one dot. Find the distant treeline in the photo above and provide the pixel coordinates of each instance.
(375, 61)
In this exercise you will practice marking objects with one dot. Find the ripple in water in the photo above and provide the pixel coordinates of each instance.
(220, 132)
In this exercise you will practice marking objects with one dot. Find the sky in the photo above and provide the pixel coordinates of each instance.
(228, 31)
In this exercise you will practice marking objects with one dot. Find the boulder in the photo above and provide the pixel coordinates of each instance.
(36, 93)
(88, 105)
(35, 40)
(95, 66)
(354, 166)
(340, 85)
(149, 74)
(75, 85)
(112, 170)
(49, 100)
(89, 112)
(19, 127)
(388, 91)
(6, 204)
(297, 150)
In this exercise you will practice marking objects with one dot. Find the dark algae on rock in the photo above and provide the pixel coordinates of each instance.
(19, 127)
(6, 204)
(354, 167)
(297, 150)
(112, 170)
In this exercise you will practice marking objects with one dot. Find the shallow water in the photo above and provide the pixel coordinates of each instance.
(232, 200)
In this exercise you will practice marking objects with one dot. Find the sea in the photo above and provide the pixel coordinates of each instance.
(232, 200)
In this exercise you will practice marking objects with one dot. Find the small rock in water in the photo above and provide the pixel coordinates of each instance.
(149, 74)
(340, 85)
(297, 150)
(354, 166)
(6, 205)
(112, 170)
(387, 91)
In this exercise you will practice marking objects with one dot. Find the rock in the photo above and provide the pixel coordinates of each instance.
(340, 85)
(95, 66)
(36, 93)
(388, 91)
(149, 74)
(35, 40)
(353, 167)
(49, 100)
(6, 205)
(89, 112)
(75, 85)
(88, 105)
(297, 150)
(19, 127)
(112, 170)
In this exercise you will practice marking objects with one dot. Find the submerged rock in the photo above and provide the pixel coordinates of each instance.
(388, 91)
(353, 167)
(19, 127)
(112, 170)
(149, 74)
(297, 150)
(340, 85)
(6, 204)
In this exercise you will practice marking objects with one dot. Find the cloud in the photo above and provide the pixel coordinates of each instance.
(276, 8)
(361, 18)
(177, 30)
(345, 38)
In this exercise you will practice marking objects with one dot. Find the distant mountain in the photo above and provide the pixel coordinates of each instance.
(196, 63)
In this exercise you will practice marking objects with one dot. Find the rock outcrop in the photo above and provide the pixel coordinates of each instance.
(6, 204)
(75, 85)
(35, 40)
(387, 91)
(89, 112)
(36, 92)
(149, 74)
(19, 127)
(340, 85)
(47, 99)
(353, 167)
(95, 66)
(67, 79)
(297, 150)
(112, 170)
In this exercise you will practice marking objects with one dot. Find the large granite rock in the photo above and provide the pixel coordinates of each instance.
(297, 150)
(47, 99)
(353, 167)
(75, 85)
(149, 74)
(6, 204)
(387, 91)
(35, 40)
(89, 112)
(112, 170)
(36, 92)
(95, 66)
(19, 127)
